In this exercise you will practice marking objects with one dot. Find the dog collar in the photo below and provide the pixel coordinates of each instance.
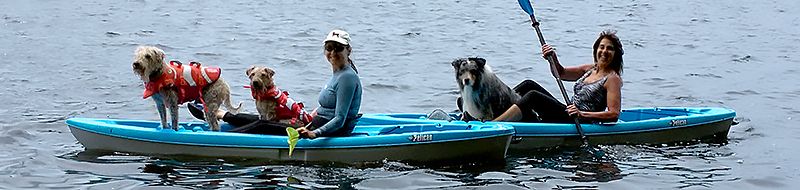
(272, 93)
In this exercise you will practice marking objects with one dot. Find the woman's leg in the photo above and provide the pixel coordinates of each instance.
(317, 122)
(529, 85)
(243, 122)
(534, 98)
(523, 112)
(239, 119)
(262, 127)
(512, 114)
(548, 108)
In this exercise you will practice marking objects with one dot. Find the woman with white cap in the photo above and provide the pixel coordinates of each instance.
(339, 99)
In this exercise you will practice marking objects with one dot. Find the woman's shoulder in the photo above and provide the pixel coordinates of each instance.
(586, 67)
(613, 79)
(349, 77)
(614, 75)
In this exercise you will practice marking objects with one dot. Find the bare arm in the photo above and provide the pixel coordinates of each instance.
(566, 73)
(575, 72)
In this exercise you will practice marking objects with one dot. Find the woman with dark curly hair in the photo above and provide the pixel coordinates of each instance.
(597, 89)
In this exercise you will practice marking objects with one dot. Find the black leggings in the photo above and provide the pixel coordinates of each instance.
(537, 99)
(251, 123)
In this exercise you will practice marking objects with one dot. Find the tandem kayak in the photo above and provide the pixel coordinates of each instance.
(634, 126)
(410, 142)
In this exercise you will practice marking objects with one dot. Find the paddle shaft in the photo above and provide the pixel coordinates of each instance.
(553, 60)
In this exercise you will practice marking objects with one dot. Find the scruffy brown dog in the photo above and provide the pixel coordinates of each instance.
(171, 84)
(272, 103)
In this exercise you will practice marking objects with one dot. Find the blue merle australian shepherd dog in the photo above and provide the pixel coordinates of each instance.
(483, 95)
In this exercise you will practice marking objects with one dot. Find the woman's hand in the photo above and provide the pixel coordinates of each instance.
(313, 112)
(306, 133)
(547, 50)
(572, 110)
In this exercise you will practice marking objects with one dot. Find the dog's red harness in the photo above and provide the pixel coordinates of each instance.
(188, 81)
(286, 107)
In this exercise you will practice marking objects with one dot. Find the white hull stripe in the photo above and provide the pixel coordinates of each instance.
(205, 76)
(187, 75)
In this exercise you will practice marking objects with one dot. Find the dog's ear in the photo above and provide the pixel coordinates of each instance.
(479, 61)
(250, 70)
(456, 63)
(158, 53)
(269, 71)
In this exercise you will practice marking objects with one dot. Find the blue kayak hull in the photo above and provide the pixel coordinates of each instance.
(413, 142)
(635, 126)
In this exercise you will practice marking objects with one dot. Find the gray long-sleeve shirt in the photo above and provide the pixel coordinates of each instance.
(340, 101)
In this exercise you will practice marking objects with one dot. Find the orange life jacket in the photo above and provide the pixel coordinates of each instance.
(188, 81)
(286, 107)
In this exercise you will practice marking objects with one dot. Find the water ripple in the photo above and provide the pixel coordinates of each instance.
(74, 61)
(707, 75)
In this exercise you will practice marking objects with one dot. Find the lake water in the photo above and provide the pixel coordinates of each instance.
(61, 59)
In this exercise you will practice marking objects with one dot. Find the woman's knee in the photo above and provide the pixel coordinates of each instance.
(523, 84)
(531, 97)
(526, 86)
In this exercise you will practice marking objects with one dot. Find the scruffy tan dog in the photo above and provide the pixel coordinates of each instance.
(171, 84)
(272, 103)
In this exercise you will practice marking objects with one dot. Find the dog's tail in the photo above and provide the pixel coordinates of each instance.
(231, 109)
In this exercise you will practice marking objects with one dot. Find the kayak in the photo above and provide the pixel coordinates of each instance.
(657, 125)
(408, 142)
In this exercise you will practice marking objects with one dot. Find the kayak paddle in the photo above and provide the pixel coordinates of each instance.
(292, 137)
(553, 60)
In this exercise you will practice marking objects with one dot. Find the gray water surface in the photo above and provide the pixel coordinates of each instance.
(61, 59)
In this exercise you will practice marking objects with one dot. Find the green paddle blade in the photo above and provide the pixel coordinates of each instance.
(293, 137)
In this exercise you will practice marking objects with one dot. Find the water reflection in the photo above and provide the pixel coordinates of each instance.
(690, 164)
(584, 165)
(720, 53)
(563, 168)
(200, 172)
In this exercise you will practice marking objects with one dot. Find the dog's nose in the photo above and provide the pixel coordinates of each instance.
(136, 65)
(256, 84)
(466, 81)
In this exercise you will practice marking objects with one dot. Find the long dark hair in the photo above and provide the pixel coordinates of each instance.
(616, 63)
(352, 65)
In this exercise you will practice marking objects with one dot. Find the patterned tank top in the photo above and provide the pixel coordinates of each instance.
(590, 96)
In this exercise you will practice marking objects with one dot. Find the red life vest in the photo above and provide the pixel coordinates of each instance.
(188, 81)
(286, 107)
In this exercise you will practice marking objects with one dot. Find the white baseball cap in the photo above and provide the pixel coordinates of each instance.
(338, 36)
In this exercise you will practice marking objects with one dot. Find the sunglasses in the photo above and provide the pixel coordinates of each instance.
(334, 47)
